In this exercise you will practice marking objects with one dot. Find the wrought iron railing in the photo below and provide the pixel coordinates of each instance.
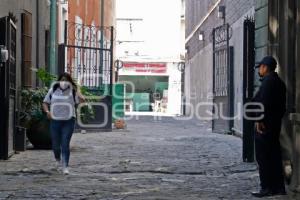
(88, 54)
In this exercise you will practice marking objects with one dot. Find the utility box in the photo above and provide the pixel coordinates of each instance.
(118, 101)
(20, 139)
(141, 102)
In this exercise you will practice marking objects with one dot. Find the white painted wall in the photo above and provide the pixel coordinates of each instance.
(62, 16)
(199, 83)
(174, 92)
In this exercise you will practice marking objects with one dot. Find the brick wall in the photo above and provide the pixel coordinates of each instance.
(197, 9)
(261, 27)
(199, 76)
(90, 11)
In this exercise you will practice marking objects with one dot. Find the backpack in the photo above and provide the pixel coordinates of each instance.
(55, 88)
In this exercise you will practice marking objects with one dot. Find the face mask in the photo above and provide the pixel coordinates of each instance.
(63, 85)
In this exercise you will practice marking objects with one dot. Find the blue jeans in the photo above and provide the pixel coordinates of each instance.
(61, 134)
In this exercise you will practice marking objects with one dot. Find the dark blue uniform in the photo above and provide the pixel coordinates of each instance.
(272, 94)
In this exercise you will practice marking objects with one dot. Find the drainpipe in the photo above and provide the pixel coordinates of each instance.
(37, 59)
(102, 40)
(37, 33)
(102, 14)
(52, 55)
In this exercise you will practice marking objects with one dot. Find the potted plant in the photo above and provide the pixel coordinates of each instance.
(34, 119)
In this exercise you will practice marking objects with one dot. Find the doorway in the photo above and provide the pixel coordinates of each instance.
(8, 88)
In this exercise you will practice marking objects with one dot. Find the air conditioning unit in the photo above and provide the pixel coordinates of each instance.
(62, 1)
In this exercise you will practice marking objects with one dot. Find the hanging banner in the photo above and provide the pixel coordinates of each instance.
(154, 68)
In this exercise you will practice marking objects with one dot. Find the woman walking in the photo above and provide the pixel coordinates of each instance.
(62, 99)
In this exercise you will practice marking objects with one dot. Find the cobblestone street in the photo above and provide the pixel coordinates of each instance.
(165, 160)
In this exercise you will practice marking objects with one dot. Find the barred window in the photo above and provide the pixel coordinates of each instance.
(221, 73)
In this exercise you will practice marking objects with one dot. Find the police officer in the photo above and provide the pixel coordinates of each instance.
(272, 96)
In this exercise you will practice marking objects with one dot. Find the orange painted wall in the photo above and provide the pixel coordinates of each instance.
(90, 13)
(90, 10)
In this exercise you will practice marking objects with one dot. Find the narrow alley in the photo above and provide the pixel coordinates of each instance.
(169, 100)
(151, 159)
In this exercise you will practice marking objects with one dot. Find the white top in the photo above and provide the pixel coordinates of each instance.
(62, 103)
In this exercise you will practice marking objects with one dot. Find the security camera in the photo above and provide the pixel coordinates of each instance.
(48, 3)
(221, 12)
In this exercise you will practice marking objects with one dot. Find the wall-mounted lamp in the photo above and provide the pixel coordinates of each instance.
(119, 64)
(201, 36)
(187, 50)
(221, 12)
(181, 66)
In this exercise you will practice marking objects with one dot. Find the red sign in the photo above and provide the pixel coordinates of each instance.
(156, 68)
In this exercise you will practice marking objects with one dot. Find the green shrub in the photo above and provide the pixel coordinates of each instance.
(32, 100)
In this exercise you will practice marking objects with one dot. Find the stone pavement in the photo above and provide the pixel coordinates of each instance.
(163, 160)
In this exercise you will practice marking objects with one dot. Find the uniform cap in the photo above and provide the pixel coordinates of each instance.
(269, 61)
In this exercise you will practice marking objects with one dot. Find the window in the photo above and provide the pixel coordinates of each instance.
(221, 73)
(47, 49)
(26, 49)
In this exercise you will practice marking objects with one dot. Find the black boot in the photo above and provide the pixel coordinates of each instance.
(279, 192)
(262, 193)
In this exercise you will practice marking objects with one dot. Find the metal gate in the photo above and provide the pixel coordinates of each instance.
(87, 54)
(7, 88)
(248, 88)
(222, 79)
